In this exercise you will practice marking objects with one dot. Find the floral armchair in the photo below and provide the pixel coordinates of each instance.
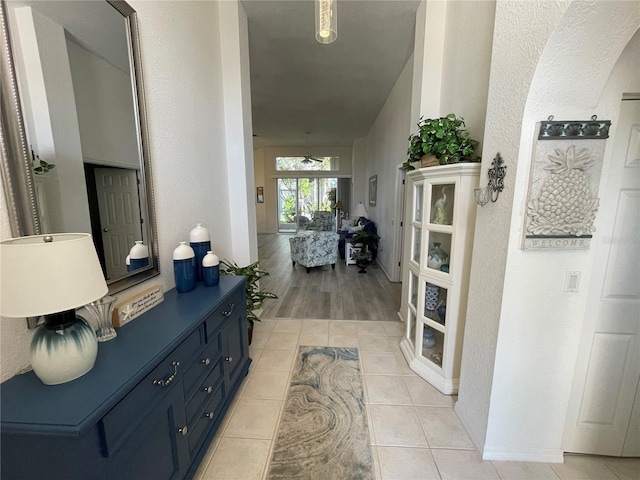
(322, 221)
(314, 248)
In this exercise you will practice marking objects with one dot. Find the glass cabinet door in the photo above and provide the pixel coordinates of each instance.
(441, 206)
(413, 290)
(438, 251)
(417, 202)
(432, 345)
(435, 303)
(416, 244)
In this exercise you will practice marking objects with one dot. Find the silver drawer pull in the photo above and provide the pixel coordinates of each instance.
(209, 415)
(228, 313)
(206, 361)
(184, 430)
(208, 389)
(229, 359)
(170, 378)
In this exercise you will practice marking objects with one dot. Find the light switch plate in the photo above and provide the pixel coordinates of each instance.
(572, 281)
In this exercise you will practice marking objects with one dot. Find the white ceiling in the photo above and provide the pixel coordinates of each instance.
(333, 91)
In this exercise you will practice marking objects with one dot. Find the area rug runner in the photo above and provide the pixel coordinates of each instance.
(323, 431)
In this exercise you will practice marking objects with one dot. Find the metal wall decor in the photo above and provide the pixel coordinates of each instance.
(563, 191)
(491, 192)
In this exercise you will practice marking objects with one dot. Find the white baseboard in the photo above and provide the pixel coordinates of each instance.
(544, 456)
(488, 453)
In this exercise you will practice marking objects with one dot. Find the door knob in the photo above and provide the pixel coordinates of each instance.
(105, 230)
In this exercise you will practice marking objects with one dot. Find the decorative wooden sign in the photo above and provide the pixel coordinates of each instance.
(136, 305)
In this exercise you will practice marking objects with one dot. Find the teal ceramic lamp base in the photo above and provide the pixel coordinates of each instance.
(63, 349)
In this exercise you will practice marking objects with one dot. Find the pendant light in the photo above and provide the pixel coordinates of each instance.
(326, 20)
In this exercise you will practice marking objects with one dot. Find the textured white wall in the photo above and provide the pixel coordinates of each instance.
(234, 46)
(570, 83)
(181, 62)
(522, 330)
(386, 145)
(467, 59)
(14, 335)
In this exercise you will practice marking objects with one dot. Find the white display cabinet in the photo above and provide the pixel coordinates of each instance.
(440, 211)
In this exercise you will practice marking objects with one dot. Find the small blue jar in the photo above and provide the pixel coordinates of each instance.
(211, 267)
(200, 241)
(428, 339)
(138, 256)
(184, 268)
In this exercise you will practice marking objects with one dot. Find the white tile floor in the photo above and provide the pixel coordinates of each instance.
(414, 431)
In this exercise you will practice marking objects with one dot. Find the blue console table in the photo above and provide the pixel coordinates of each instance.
(150, 406)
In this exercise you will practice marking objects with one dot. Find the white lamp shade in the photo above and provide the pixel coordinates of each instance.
(40, 278)
(360, 211)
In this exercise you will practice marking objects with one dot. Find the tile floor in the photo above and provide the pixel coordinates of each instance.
(414, 431)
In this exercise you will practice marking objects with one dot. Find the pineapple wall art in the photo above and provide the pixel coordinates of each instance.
(563, 192)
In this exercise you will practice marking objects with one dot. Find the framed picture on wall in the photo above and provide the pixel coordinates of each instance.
(260, 194)
(373, 190)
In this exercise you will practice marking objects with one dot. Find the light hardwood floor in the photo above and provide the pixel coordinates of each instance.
(324, 293)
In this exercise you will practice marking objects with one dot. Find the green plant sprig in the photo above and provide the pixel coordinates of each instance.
(254, 294)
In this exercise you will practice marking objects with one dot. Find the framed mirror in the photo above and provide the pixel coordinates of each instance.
(73, 136)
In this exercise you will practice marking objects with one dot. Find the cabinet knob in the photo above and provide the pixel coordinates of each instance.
(206, 361)
(184, 430)
(166, 381)
(209, 415)
(208, 389)
(229, 359)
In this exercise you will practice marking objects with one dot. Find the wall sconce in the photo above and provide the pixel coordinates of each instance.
(326, 20)
(495, 185)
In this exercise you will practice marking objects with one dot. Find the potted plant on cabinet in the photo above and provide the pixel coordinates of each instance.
(254, 294)
(443, 138)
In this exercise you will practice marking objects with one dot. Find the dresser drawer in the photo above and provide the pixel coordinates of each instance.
(125, 416)
(205, 391)
(201, 368)
(227, 308)
(208, 416)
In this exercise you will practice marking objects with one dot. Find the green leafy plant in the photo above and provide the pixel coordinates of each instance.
(43, 167)
(254, 294)
(443, 137)
(367, 239)
(361, 255)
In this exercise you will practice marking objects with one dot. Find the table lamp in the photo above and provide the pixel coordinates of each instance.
(52, 275)
(360, 211)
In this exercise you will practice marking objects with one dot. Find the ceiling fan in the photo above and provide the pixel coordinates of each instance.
(309, 158)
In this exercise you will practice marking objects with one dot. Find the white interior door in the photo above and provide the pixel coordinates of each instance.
(120, 219)
(604, 410)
